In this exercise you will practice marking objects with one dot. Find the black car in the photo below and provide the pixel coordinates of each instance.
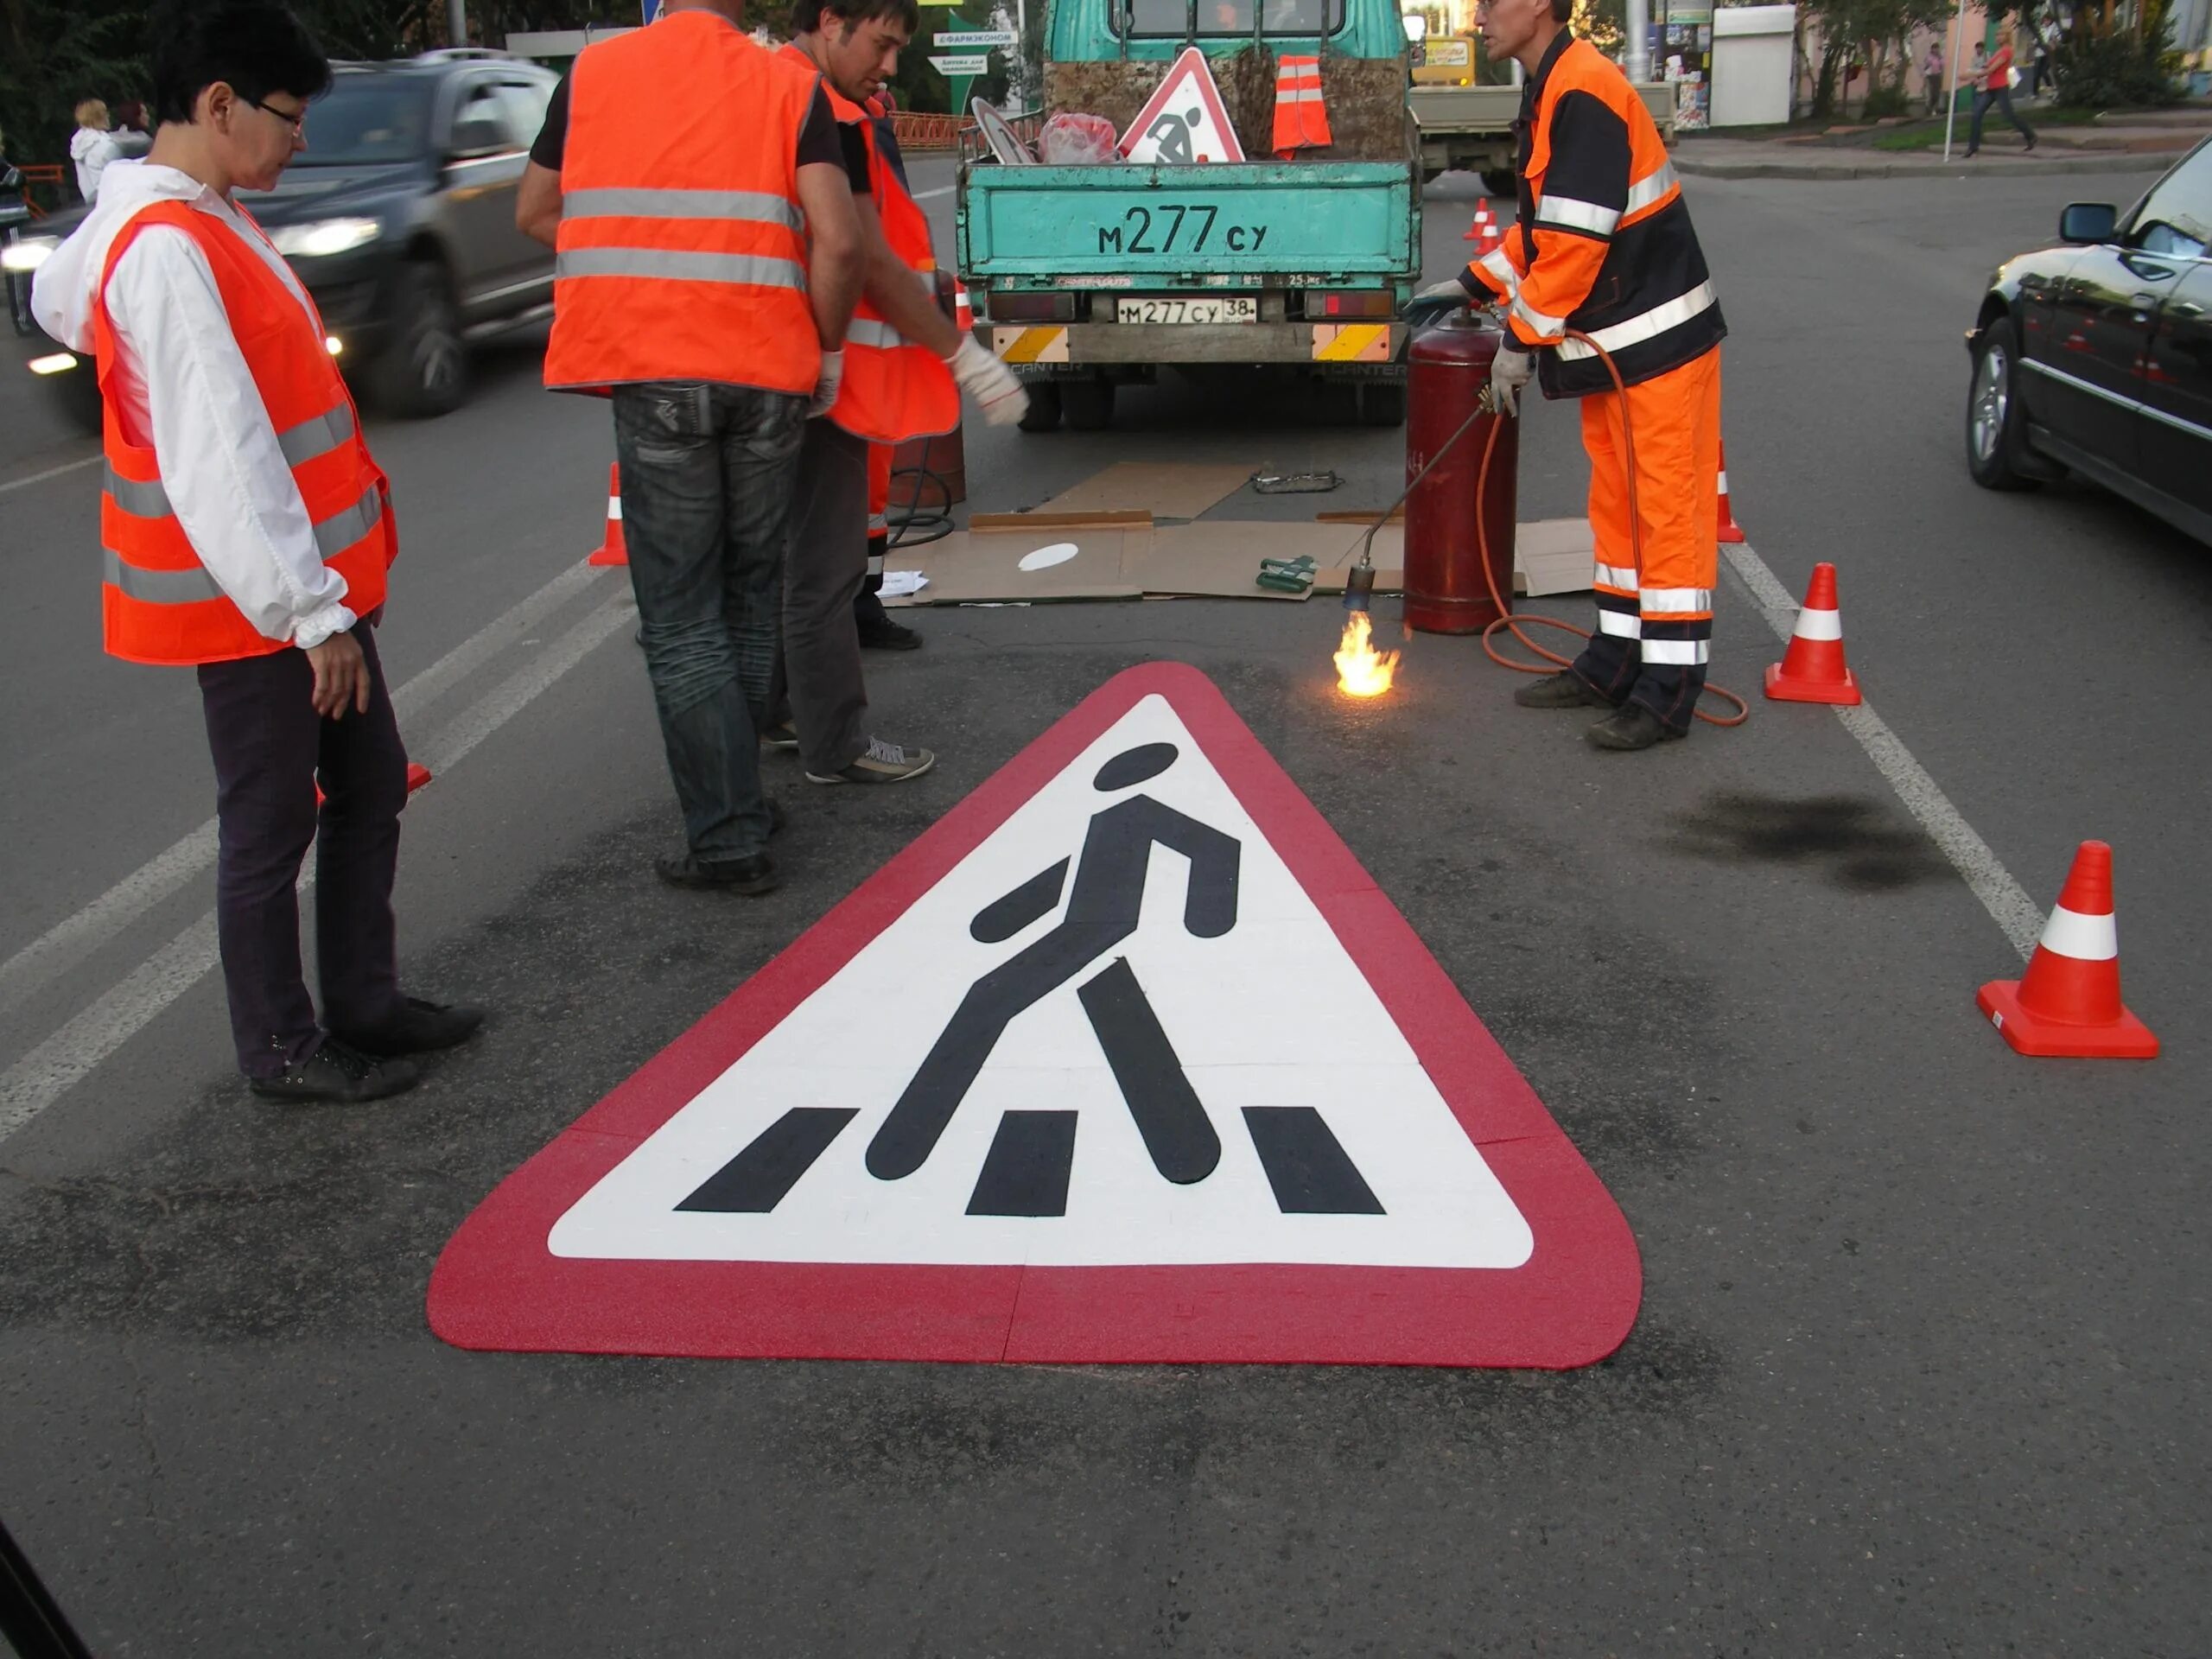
(399, 219)
(2096, 355)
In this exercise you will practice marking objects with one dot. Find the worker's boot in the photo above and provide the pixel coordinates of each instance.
(1565, 689)
(1631, 726)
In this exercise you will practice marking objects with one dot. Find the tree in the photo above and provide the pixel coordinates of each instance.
(1866, 31)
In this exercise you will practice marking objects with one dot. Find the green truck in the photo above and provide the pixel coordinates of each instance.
(1088, 277)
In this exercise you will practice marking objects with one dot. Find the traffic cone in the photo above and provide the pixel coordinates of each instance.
(2068, 1002)
(1813, 669)
(964, 315)
(1483, 231)
(611, 551)
(1731, 531)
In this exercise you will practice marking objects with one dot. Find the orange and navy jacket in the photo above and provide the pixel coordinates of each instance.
(682, 249)
(1603, 244)
(893, 389)
(158, 604)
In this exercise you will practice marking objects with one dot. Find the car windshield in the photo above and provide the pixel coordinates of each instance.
(366, 118)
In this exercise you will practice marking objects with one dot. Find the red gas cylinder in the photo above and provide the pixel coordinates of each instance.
(1445, 590)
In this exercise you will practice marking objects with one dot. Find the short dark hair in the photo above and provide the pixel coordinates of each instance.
(257, 46)
(808, 16)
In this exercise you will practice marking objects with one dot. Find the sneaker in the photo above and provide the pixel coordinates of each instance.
(783, 737)
(338, 1072)
(1565, 689)
(1631, 726)
(418, 1027)
(750, 876)
(882, 633)
(883, 763)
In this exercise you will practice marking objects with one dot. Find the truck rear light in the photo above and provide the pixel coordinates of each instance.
(1030, 308)
(1363, 303)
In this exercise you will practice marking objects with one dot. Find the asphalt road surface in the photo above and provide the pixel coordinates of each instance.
(1920, 1364)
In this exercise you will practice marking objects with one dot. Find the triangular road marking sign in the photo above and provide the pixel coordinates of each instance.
(1126, 1059)
(1185, 119)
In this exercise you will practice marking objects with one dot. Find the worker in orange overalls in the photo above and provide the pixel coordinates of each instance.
(1602, 257)
(905, 366)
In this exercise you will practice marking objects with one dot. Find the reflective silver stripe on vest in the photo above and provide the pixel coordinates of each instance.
(191, 586)
(748, 207)
(868, 331)
(1647, 326)
(344, 528)
(750, 270)
(1575, 215)
(1644, 192)
(316, 437)
(146, 501)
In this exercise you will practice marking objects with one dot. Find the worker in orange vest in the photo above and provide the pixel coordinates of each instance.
(247, 531)
(905, 366)
(699, 196)
(1603, 258)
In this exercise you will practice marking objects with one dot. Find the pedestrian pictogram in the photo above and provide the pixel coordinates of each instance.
(1126, 1059)
(1185, 120)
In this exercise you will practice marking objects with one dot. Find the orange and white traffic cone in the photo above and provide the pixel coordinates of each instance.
(2068, 1002)
(1813, 669)
(1483, 231)
(964, 314)
(612, 551)
(1731, 531)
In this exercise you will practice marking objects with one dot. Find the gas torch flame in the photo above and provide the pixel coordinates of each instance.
(1361, 671)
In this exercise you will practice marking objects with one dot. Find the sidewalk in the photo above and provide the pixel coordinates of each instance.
(1754, 158)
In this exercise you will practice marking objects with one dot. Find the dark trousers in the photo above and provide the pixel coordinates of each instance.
(706, 476)
(826, 561)
(2003, 99)
(271, 750)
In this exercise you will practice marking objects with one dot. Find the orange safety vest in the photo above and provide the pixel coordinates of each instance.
(158, 604)
(682, 251)
(893, 389)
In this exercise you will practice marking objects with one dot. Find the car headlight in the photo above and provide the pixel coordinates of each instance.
(28, 253)
(324, 236)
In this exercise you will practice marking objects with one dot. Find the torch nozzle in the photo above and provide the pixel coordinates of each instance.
(1359, 586)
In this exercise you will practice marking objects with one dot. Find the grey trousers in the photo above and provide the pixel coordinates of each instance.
(825, 561)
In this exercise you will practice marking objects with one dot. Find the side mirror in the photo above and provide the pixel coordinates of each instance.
(2085, 223)
(474, 138)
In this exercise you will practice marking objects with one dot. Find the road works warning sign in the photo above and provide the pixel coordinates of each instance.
(1184, 121)
(1126, 1058)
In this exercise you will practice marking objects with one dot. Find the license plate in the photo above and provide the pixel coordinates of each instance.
(1227, 307)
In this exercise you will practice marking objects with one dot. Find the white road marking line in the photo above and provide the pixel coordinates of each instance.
(2004, 899)
(37, 1080)
(51, 472)
(925, 195)
(69, 941)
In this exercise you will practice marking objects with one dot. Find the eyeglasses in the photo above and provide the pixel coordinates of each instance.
(296, 120)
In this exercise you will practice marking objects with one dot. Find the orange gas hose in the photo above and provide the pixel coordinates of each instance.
(1511, 623)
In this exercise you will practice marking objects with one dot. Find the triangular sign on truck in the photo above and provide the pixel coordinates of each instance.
(1185, 120)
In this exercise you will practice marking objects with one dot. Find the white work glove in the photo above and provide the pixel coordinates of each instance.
(1510, 371)
(990, 382)
(826, 385)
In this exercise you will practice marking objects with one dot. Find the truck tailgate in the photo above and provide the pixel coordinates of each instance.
(1028, 225)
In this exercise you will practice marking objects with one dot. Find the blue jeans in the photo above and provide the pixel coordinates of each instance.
(707, 475)
(2002, 101)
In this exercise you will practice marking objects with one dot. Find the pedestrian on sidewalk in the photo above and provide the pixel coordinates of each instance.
(1604, 250)
(1931, 77)
(1995, 78)
(905, 366)
(248, 532)
(700, 200)
(91, 148)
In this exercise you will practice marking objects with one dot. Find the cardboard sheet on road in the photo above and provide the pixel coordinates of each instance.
(1165, 489)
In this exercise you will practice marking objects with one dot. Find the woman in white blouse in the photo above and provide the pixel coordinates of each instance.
(92, 147)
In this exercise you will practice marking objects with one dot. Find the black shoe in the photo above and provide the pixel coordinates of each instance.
(338, 1072)
(750, 876)
(418, 1027)
(1631, 726)
(2031, 143)
(1565, 689)
(882, 633)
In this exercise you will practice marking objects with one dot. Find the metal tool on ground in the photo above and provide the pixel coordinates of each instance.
(2068, 1002)
(1294, 483)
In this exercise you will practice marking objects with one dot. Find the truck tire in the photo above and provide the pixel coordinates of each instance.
(1044, 414)
(1087, 405)
(1382, 403)
(423, 368)
(1499, 180)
